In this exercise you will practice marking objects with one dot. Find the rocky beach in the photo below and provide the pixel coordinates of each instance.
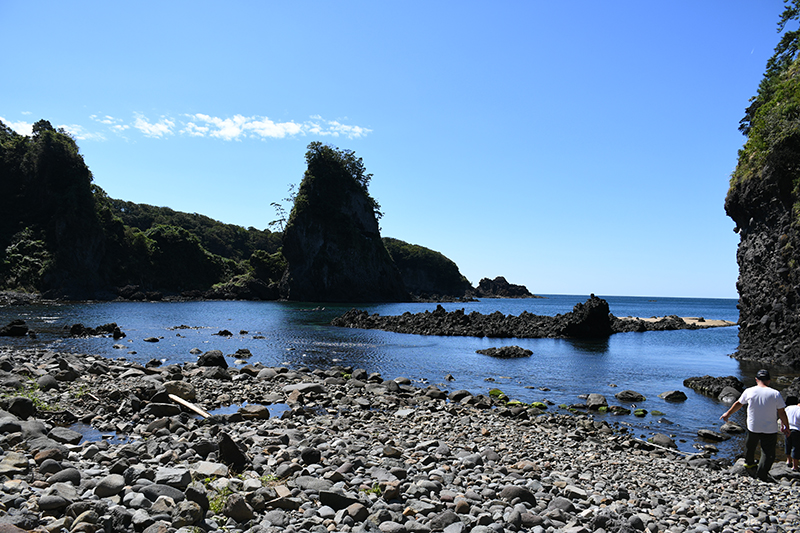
(343, 450)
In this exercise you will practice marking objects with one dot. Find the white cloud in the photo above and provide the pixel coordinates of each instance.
(235, 128)
(239, 127)
(194, 130)
(227, 128)
(81, 134)
(158, 129)
(334, 128)
(23, 128)
(267, 128)
(108, 120)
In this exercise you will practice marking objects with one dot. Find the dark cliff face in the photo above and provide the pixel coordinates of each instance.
(769, 280)
(332, 243)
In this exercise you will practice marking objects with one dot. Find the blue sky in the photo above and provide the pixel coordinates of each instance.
(573, 147)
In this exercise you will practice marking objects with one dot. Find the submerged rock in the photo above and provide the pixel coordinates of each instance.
(713, 386)
(15, 328)
(506, 352)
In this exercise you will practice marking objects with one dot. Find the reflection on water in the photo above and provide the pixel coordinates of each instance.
(298, 335)
(596, 346)
(91, 434)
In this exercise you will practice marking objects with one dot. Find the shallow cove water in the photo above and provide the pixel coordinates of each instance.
(297, 335)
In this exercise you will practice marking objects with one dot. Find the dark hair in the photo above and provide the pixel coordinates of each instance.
(791, 400)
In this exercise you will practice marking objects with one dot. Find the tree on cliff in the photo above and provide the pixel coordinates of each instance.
(48, 209)
(332, 242)
(764, 201)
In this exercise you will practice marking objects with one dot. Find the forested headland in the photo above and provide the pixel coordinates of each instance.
(63, 237)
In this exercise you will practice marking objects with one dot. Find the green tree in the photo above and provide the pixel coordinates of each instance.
(326, 160)
(786, 53)
(772, 121)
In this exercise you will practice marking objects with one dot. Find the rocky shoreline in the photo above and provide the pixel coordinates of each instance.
(350, 451)
(590, 319)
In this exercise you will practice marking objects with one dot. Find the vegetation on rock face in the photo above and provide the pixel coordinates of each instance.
(61, 233)
(426, 271)
(772, 121)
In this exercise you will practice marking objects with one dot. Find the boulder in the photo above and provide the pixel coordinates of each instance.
(212, 358)
(596, 401)
(662, 440)
(729, 395)
(231, 454)
(629, 396)
(673, 396)
(715, 436)
(713, 386)
(182, 389)
(15, 328)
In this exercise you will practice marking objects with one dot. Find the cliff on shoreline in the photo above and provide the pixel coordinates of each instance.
(764, 201)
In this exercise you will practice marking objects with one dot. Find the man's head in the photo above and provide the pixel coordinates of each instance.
(763, 376)
(791, 400)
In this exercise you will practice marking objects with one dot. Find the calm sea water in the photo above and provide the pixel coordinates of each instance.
(296, 335)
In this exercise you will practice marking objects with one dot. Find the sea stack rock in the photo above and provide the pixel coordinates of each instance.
(763, 200)
(332, 242)
(500, 288)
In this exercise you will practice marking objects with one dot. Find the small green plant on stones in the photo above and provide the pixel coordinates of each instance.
(31, 391)
(269, 480)
(82, 391)
(216, 503)
(376, 489)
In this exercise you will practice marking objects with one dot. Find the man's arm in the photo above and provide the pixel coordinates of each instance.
(735, 407)
(784, 421)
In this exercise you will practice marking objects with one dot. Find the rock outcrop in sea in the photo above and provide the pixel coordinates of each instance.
(332, 242)
(588, 320)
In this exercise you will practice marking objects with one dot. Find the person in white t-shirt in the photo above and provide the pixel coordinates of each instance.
(793, 438)
(765, 406)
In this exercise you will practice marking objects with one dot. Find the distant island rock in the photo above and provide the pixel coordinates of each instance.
(499, 288)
